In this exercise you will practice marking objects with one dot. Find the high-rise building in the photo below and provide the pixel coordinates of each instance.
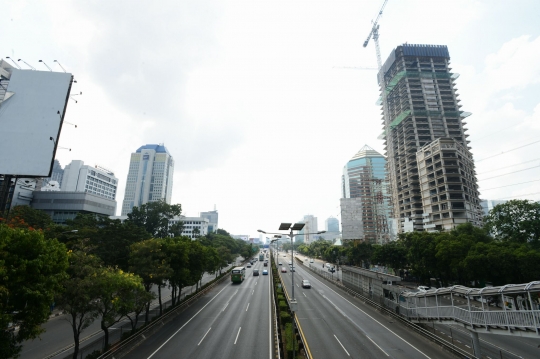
(78, 177)
(150, 177)
(331, 225)
(306, 234)
(430, 168)
(489, 204)
(364, 179)
(212, 217)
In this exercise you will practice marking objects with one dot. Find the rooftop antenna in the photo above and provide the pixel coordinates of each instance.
(27, 64)
(43, 62)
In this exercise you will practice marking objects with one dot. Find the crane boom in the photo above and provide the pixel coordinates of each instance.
(375, 33)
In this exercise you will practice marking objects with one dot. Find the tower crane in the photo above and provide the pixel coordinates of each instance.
(375, 33)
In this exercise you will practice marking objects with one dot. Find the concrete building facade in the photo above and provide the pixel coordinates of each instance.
(421, 105)
(150, 177)
(78, 177)
(62, 205)
(311, 226)
(352, 226)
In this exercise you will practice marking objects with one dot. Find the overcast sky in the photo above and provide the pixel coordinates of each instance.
(249, 98)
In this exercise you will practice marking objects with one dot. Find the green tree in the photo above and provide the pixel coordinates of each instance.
(515, 221)
(154, 217)
(80, 290)
(393, 255)
(148, 259)
(177, 251)
(31, 272)
(113, 299)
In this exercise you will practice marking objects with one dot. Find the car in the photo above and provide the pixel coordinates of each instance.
(266, 264)
(249, 265)
(255, 272)
(306, 284)
(311, 261)
(423, 288)
(283, 270)
(290, 263)
(332, 270)
(265, 272)
(292, 269)
(284, 255)
(280, 264)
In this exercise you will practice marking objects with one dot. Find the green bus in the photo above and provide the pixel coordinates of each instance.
(238, 274)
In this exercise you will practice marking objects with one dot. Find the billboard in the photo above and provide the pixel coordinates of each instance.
(31, 117)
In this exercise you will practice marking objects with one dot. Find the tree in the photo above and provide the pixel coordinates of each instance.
(31, 272)
(392, 254)
(28, 217)
(80, 291)
(154, 217)
(515, 221)
(177, 251)
(148, 259)
(114, 297)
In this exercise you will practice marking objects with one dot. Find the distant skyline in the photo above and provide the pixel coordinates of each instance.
(252, 100)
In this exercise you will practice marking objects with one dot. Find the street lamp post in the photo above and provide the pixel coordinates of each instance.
(290, 227)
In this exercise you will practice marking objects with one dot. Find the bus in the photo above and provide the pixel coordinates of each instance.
(238, 274)
(261, 257)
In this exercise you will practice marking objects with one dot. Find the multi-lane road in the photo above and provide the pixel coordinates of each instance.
(231, 321)
(336, 326)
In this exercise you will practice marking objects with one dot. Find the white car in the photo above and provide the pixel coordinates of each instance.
(423, 288)
(311, 261)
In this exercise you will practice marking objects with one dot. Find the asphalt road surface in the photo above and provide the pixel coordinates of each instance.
(339, 326)
(231, 321)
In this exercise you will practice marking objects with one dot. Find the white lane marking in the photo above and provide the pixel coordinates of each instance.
(304, 294)
(225, 307)
(247, 307)
(255, 283)
(467, 346)
(375, 320)
(342, 346)
(182, 327)
(239, 329)
(297, 285)
(204, 336)
(253, 291)
(378, 347)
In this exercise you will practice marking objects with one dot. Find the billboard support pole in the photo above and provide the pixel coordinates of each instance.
(6, 195)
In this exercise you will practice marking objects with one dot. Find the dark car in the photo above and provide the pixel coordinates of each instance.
(332, 269)
(255, 272)
(266, 264)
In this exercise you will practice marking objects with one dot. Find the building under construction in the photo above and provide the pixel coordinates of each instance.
(365, 212)
(431, 173)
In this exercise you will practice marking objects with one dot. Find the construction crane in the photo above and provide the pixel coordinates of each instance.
(375, 33)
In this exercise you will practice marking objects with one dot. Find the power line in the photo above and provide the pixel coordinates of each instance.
(510, 185)
(536, 159)
(521, 195)
(513, 149)
(509, 173)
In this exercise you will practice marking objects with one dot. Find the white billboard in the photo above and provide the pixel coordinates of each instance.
(30, 115)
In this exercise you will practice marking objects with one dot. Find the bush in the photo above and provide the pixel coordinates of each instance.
(290, 338)
(94, 355)
(283, 305)
(285, 317)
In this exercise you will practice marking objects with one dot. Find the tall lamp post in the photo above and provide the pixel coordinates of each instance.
(290, 227)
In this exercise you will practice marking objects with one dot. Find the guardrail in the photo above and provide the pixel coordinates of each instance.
(122, 348)
(434, 338)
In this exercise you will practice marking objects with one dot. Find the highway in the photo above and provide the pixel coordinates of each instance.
(58, 337)
(339, 326)
(231, 321)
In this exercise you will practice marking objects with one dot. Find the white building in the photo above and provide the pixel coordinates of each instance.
(193, 226)
(150, 177)
(97, 180)
(311, 226)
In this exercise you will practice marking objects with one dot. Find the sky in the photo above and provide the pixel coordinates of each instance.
(257, 102)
